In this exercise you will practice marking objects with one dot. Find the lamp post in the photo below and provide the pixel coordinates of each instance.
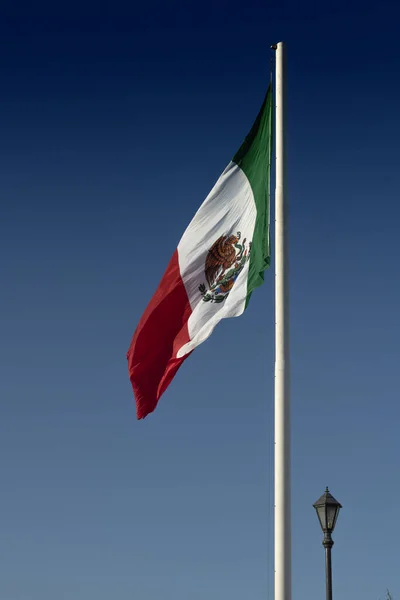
(327, 511)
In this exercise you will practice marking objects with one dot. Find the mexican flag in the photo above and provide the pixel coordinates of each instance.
(219, 261)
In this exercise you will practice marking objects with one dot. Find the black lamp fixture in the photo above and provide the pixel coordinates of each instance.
(327, 511)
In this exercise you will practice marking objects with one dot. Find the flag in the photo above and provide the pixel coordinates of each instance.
(219, 261)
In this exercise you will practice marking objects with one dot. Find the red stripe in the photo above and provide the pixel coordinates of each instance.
(161, 332)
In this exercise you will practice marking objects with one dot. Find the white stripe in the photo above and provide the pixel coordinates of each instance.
(229, 208)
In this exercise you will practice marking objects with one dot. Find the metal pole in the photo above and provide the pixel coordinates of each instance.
(328, 543)
(283, 576)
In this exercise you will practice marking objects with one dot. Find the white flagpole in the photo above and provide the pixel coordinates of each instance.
(283, 567)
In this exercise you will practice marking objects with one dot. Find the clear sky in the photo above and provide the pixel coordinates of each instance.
(115, 123)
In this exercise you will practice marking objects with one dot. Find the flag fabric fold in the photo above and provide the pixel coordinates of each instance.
(219, 261)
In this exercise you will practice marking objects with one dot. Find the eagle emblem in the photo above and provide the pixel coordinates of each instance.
(224, 262)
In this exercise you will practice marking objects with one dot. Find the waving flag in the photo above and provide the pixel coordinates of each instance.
(219, 261)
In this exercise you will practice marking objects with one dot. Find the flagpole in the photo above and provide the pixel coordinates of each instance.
(283, 568)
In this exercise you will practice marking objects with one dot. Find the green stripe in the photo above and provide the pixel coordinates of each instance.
(254, 158)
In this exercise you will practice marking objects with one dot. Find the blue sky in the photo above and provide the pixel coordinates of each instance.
(115, 123)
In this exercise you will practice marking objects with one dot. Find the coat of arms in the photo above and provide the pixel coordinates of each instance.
(225, 261)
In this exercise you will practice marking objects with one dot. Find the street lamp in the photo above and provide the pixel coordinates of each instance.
(327, 511)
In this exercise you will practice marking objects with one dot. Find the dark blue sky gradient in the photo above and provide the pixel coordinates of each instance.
(115, 123)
